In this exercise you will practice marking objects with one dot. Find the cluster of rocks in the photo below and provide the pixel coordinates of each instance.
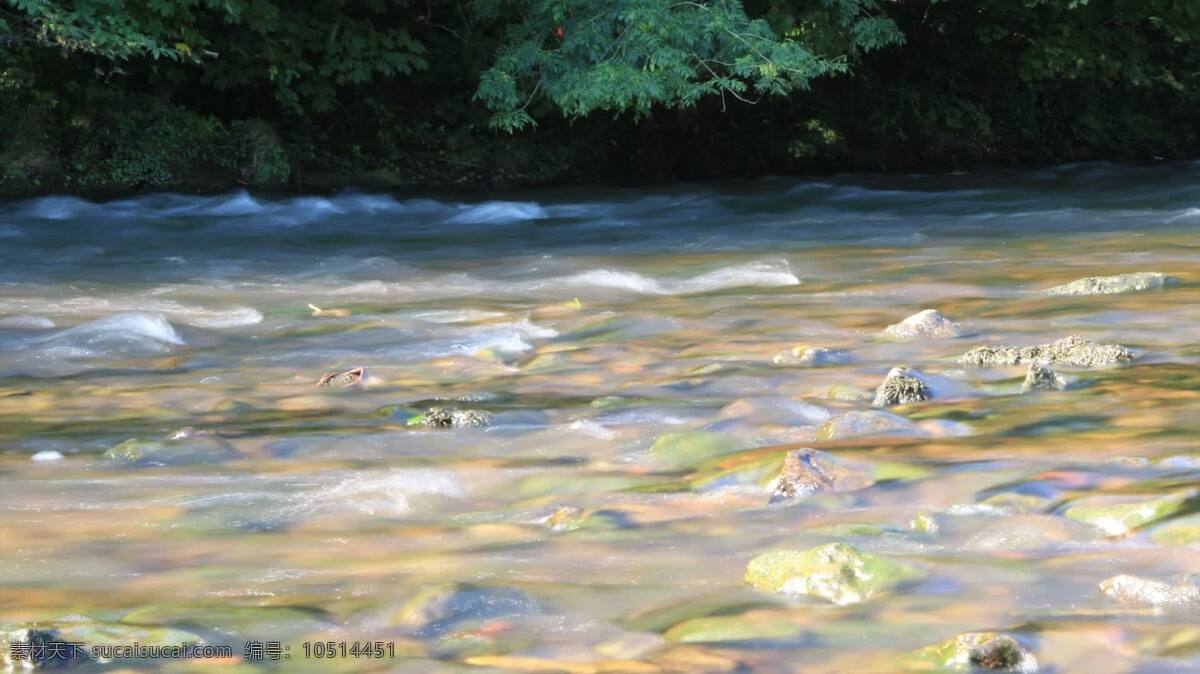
(1112, 285)
(1073, 351)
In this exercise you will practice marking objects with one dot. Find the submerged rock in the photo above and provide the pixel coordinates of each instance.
(449, 417)
(837, 572)
(436, 609)
(1121, 518)
(927, 324)
(1126, 589)
(1182, 531)
(1112, 285)
(809, 471)
(754, 627)
(987, 651)
(902, 386)
(1073, 351)
(1042, 378)
(847, 393)
(924, 523)
(812, 356)
(873, 422)
(681, 450)
(195, 449)
(342, 379)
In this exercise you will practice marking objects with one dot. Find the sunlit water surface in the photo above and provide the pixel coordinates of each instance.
(590, 323)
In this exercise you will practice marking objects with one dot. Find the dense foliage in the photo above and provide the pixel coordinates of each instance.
(118, 95)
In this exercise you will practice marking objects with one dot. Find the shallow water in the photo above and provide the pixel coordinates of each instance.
(590, 323)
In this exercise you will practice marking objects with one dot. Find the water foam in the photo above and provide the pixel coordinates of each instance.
(498, 212)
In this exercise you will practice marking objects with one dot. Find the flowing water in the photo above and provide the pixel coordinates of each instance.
(252, 505)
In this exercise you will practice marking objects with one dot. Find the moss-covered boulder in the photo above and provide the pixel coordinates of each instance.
(980, 651)
(1116, 519)
(837, 572)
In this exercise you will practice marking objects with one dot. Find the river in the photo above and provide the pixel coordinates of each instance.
(167, 460)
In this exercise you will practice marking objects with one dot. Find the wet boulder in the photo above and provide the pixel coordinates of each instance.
(1073, 351)
(1041, 378)
(449, 417)
(809, 471)
(927, 324)
(902, 386)
(1179, 591)
(980, 651)
(837, 572)
(1112, 285)
(812, 356)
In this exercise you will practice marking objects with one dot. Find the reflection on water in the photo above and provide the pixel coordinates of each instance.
(624, 348)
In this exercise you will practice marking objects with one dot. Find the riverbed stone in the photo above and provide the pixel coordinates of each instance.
(867, 423)
(902, 386)
(1128, 589)
(1040, 377)
(757, 627)
(1119, 518)
(837, 572)
(1112, 285)
(809, 471)
(927, 324)
(980, 651)
(846, 393)
(1072, 351)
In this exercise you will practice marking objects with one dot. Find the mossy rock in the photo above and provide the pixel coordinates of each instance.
(674, 451)
(662, 618)
(244, 621)
(1121, 518)
(1183, 531)
(837, 572)
(979, 651)
(756, 627)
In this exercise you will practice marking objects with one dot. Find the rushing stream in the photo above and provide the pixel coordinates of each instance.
(167, 459)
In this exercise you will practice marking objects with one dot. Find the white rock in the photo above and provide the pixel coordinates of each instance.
(927, 324)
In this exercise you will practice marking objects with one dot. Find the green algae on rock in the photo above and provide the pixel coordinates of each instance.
(1120, 518)
(1129, 589)
(1112, 285)
(975, 651)
(684, 449)
(443, 417)
(837, 572)
(1072, 351)
(754, 627)
(1182, 531)
(195, 449)
(902, 386)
